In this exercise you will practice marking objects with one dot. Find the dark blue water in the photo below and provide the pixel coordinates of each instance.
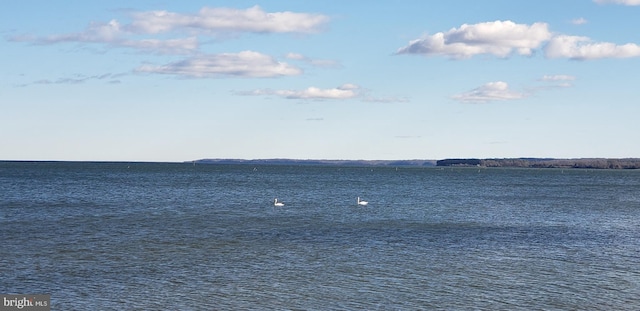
(114, 236)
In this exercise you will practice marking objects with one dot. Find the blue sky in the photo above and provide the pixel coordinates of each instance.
(184, 80)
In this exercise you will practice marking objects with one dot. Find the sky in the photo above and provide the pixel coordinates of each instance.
(174, 81)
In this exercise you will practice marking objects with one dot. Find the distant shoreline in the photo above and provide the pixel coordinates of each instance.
(591, 163)
(413, 163)
(583, 163)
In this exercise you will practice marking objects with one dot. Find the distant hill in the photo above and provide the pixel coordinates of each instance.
(593, 163)
(391, 163)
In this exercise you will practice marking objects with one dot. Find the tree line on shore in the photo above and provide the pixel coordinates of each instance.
(591, 163)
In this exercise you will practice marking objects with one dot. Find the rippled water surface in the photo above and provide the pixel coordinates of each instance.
(151, 236)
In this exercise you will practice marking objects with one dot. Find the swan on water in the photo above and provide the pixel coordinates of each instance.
(276, 203)
(362, 202)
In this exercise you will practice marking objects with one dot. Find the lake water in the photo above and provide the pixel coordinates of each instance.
(169, 236)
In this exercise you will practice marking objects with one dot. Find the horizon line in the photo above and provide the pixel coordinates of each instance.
(325, 159)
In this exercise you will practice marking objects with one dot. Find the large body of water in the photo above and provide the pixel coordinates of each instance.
(154, 236)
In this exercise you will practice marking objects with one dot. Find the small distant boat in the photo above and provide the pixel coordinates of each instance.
(276, 203)
(360, 202)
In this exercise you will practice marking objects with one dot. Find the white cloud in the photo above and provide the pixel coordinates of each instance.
(342, 92)
(95, 32)
(346, 91)
(561, 81)
(78, 79)
(623, 2)
(492, 91)
(208, 21)
(170, 46)
(212, 20)
(385, 100)
(579, 21)
(500, 91)
(247, 64)
(114, 34)
(499, 38)
(557, 78)
(326, 63)
(583, 48)
(503, 38)
(295, 56)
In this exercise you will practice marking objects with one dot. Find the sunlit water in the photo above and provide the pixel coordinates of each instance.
(124, 236)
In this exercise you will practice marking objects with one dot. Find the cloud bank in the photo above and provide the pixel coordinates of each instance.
(505, 38)
(174, 33)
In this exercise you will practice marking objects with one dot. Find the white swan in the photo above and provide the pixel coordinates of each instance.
(276, 203)
(362, 202)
